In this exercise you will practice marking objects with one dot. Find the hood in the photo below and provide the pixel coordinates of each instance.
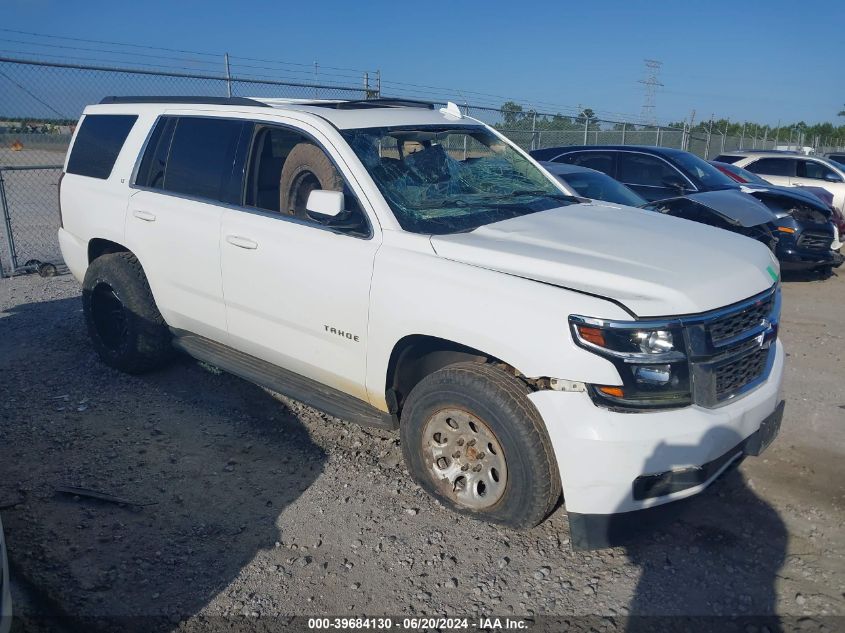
(781, 199)
(734, 206)
(654, 265)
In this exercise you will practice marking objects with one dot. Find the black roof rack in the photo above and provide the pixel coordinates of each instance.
(383, 102)
(235, 101)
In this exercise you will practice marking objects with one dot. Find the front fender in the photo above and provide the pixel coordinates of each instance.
(521, 322)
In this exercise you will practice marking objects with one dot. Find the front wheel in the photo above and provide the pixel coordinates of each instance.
(473, 440)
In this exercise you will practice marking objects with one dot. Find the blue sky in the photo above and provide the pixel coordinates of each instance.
(760, 61)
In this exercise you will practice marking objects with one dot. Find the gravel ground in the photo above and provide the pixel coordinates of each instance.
(253, 505)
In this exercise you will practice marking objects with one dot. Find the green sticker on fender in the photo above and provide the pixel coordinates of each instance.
(772, 273)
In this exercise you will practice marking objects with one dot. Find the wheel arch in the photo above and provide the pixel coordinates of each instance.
(415, 356)
(97, 247)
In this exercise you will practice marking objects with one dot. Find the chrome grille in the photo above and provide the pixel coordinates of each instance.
(737, 323)
(733, 376)
(815, 241)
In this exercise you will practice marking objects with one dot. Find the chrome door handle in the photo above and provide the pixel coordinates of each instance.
(242, 242)
(146, 216)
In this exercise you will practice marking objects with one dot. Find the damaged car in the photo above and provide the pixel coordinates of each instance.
(406, 266)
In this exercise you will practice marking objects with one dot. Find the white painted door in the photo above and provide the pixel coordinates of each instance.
(297, 295)
(177, 242)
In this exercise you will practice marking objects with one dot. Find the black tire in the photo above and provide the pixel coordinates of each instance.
(124, 324)
(499, 400)
(305, 169)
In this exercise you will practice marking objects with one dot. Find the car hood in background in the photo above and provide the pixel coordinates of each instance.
(655, 265)
(734, 206)
(789, 195)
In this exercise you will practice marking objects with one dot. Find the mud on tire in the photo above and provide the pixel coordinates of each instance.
(125, 326)
(486, 394)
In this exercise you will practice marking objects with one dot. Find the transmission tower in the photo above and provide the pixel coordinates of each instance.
(651, 83)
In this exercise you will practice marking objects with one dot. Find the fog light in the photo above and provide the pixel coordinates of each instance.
(653, 374)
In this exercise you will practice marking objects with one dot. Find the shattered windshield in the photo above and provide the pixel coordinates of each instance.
(450, 179)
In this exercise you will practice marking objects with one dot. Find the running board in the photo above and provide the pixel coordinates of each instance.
(287, 383)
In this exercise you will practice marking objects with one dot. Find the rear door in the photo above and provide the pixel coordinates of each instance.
(298, 289)
(173, 220)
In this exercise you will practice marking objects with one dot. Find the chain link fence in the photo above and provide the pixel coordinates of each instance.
(40, 103)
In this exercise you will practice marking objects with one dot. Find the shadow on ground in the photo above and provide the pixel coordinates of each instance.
(207, 460)
(713, 555)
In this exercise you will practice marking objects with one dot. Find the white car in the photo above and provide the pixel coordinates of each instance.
(402, 266)
(793, 170)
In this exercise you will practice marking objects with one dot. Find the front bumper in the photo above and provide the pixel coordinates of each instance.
(600, 453)
(807, 249)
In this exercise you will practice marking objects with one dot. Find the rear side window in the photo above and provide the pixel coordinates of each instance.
(727, 158)
(201, 157)
(600, 161)
(773, 166)
(97, 144)
(151, 170)
(641, 169)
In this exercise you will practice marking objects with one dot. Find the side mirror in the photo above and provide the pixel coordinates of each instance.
(832, 177)
(325, 203)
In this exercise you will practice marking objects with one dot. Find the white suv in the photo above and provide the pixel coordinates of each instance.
(402, 266)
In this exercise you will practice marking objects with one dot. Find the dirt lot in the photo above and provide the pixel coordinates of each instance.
(252, 506)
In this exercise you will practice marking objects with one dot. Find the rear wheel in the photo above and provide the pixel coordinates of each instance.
(473, 440)
(124, 324)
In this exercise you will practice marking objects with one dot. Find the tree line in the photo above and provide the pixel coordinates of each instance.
(517, 118)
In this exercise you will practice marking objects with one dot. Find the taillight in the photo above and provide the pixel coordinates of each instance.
(59, 188)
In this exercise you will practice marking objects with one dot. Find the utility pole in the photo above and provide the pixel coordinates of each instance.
(228, 76)
(651, 83)
(709, 136)
(316, 95)
(689, 130)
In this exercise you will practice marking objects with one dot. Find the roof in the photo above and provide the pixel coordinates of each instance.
(548, 152)
(342, 114)
(566, 168)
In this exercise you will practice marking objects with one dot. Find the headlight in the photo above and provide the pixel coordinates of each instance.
(650, 357)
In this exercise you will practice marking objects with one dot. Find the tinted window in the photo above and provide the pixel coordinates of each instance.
(727, 158)
(773, 166)
(701, 171)
(600, 161)
(151, 170)
(98, 143)
(201, 157)
(642, 169)
(812, 169)
(600, 186)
